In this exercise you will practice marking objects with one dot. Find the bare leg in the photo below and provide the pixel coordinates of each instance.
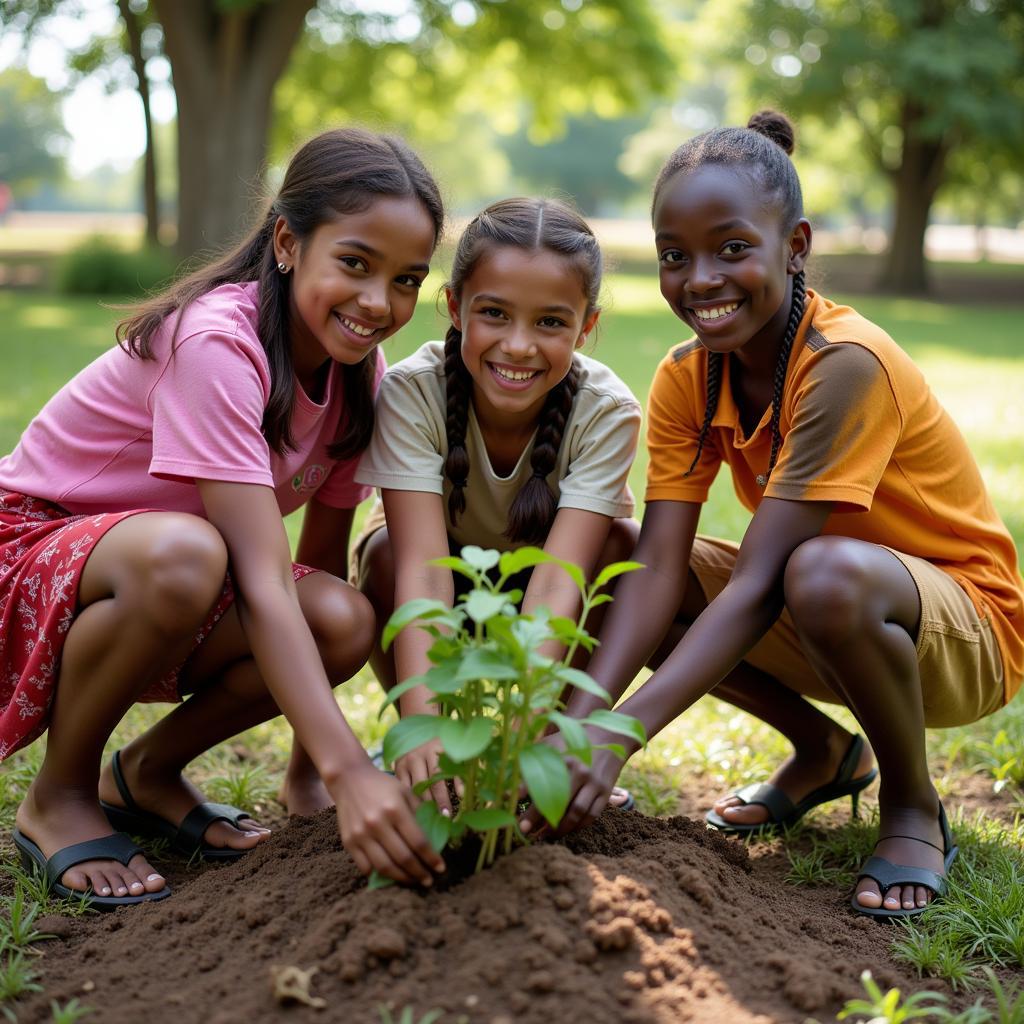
(230, 696)
(819, 743)
(146, 588)
(857, 610)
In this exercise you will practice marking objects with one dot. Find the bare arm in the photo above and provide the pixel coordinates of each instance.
(375, 818)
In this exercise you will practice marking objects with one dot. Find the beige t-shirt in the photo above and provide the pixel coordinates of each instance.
(410, 445)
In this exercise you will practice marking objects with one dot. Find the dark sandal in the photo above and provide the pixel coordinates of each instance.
(113, 847)
(887, 874)
(186, 838)
(783, 813)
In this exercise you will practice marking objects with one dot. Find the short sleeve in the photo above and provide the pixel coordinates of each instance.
(845, 424)
(598, 470)
(340, 489)
(406, 452)
(207, 410)
(673, 431)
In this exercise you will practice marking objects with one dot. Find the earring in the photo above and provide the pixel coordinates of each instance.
(283, 267)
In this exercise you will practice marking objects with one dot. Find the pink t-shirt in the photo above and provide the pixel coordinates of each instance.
(129, 433)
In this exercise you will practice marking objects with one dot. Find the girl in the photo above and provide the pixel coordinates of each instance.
(238, 395)
(872, 533)
(502, 436)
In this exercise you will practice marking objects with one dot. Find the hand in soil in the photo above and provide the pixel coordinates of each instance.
(376, 819)
(590, 787)
(421, 764)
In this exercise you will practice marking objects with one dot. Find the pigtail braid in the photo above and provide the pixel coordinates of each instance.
(458, 388)
(796, 314)
(713, 388)
(534, 508)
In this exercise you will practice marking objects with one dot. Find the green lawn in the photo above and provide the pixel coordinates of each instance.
(969, 353)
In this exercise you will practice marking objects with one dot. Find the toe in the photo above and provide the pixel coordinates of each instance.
(140, 877)
(746, 814)
(908, 898)
(76, 878)
(221, 834)
(868, 894)
(923, 896)
(725, 802)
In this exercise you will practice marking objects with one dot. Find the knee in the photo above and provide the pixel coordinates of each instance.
(342, 622)
(377, 573)
(179, 572)
(828, 590)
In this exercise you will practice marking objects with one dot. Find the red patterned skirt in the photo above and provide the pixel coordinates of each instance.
(43, 550)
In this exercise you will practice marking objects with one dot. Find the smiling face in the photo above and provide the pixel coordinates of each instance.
(726, 258)
(522, 314)
(355, 279)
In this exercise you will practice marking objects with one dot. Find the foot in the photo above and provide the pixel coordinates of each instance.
(56, 817)
(619, 797)
(303, 794)
(800, 775)
(172, 797)
(928, 853)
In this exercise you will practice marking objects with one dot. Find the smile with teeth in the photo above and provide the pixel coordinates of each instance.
(507, 373)
(363, 332)
(714, 312)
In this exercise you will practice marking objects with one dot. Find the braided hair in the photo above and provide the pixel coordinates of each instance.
(531, 225)
(762, 149)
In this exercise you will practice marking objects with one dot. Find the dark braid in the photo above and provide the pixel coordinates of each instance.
(714, 387)
(796, 314)
(534, 508)
(531, 225)
(458, 390)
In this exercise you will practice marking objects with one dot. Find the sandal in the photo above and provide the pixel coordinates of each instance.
(186, 838)
(887, 874)
(113, 847)
(783, 813)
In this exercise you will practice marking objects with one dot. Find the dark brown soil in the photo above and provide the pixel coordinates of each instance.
(635, 919)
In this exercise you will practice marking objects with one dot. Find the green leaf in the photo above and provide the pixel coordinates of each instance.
(408, 734)
(418, 608)
(484, 664)
(615, 748)
(574, 571)
(377, 881)
(486, 818)
(396, 692)
(615, 721)
(463, 740)
(572, 730)
(435, 825)
(547, 780)
(582, 681)
(456, 565)
(481, 605)
(480, 559)
(609, 572)
(523, 558)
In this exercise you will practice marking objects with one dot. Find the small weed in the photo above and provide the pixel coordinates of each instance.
(244, 786)
(16, 924)
(811, 868)
(887, 1008)
(70, 1012)
(16, 977)
(407, 1016)
(933, 953)
(33, 884)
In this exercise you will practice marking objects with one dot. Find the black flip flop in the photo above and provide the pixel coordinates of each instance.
(783, 813)
(887, 874)
(186, 838)
(113, 847)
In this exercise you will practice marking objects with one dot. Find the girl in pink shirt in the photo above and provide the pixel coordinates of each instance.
(241, 393)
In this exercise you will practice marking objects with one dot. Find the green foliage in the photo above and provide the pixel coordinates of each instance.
(886, 1008)
(70, 1012)
(16, 977)
(32, 135)
(497, 696)
(407, 1016)
(100, 266)
(17, 921)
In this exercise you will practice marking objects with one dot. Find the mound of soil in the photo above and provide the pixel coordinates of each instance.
(635, 919)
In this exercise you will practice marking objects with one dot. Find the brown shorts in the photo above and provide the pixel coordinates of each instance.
(960, 663)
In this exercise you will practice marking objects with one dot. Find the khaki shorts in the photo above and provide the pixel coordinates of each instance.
(960, 663)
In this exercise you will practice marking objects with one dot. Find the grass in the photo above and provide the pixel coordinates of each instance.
(970, 355)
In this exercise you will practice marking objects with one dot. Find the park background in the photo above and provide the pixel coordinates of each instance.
(136, 136)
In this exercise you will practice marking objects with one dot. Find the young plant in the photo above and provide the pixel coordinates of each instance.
(887, 1008)
(498, 696)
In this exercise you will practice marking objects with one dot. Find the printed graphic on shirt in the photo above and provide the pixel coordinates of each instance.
(309, 479)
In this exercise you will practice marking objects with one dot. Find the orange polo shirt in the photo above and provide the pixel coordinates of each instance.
(860, 428)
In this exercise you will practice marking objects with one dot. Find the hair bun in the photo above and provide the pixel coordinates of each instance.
(775, 126)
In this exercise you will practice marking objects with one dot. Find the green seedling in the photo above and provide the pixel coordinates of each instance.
(407, 1016)
(886, 1008)
(497, 696)
(16, 977)
(69, 1013)
(16, 923)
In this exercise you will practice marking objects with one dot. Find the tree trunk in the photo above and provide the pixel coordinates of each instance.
(134, 33)
(225, 62)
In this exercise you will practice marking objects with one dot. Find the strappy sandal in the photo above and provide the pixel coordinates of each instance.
(888, 874)
(783, 812)
(186, 838)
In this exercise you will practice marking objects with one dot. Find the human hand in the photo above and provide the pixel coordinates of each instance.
(377, 823)
(421, 764)
(590, 786)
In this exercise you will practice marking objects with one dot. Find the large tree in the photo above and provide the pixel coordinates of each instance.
(227, 56)
(31, 133)
(920, 79)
